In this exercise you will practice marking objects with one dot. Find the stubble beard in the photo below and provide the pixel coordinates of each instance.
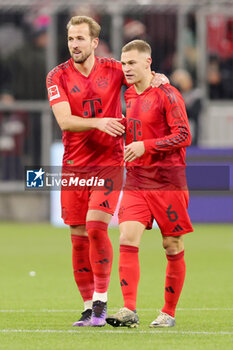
(82, 59)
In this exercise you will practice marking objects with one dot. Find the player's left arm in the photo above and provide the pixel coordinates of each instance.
(173, 108)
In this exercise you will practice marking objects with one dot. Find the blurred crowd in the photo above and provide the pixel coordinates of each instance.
(23, 44)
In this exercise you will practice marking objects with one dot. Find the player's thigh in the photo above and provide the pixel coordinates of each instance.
(106, 203)
(98, 215)
(131, 233)
(105, 198)
(74, 205)
(134, 207)
(169, 209)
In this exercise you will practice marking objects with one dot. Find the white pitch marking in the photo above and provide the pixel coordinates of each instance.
(42, 310)
(111, 332)
(114, 309)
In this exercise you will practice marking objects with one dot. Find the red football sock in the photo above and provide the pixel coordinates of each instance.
(175, 275)
(101, 254)
(83, 274)
(129, 272)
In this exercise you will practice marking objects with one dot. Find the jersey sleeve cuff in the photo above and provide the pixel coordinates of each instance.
(149, 145)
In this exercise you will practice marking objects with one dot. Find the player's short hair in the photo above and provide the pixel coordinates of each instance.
(139, 45)
(94, 27)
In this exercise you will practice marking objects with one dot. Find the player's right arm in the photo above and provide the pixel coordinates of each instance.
(62, 110)
(69, 122)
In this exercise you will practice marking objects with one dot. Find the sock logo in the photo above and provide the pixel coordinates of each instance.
(102, 261)
(83, 270)
(123, 283)
(105, 204)
(169, 290)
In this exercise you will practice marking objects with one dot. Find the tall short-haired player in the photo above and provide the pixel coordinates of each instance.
(157, 133)
(85, 96)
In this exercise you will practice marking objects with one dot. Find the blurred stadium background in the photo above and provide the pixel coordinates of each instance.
(192, 43)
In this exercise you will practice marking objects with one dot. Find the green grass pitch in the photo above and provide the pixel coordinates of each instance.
(37, 312)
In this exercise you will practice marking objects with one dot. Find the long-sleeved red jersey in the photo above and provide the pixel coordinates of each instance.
(158, 118)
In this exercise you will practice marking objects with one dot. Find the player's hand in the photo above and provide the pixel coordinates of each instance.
(134, 150)
(111, 126)
(159, 79)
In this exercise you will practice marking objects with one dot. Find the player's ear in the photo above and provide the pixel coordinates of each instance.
(95, 42)
(148, 62)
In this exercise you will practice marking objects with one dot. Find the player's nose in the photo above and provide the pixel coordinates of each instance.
(75, 44)
(127, 68)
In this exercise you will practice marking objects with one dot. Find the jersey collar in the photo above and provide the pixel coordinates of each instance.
(77, 71)
(144, 92)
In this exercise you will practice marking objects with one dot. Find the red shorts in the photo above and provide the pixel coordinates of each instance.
(168, 208)
(76, 203)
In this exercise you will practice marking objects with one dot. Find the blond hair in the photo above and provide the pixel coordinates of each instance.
(139, 45)
(94, 27)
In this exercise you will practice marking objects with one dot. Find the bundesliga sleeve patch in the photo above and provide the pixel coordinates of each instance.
(53, 92)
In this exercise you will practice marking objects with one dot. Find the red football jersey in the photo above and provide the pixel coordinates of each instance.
(96, 96)
(158, 118)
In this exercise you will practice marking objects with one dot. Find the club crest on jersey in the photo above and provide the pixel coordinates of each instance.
(102, 82)
(53, 92)
(146, 105)
(177, 112)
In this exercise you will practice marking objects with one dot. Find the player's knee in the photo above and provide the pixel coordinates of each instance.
(173, 244)
(127, 239)
(79, 230)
